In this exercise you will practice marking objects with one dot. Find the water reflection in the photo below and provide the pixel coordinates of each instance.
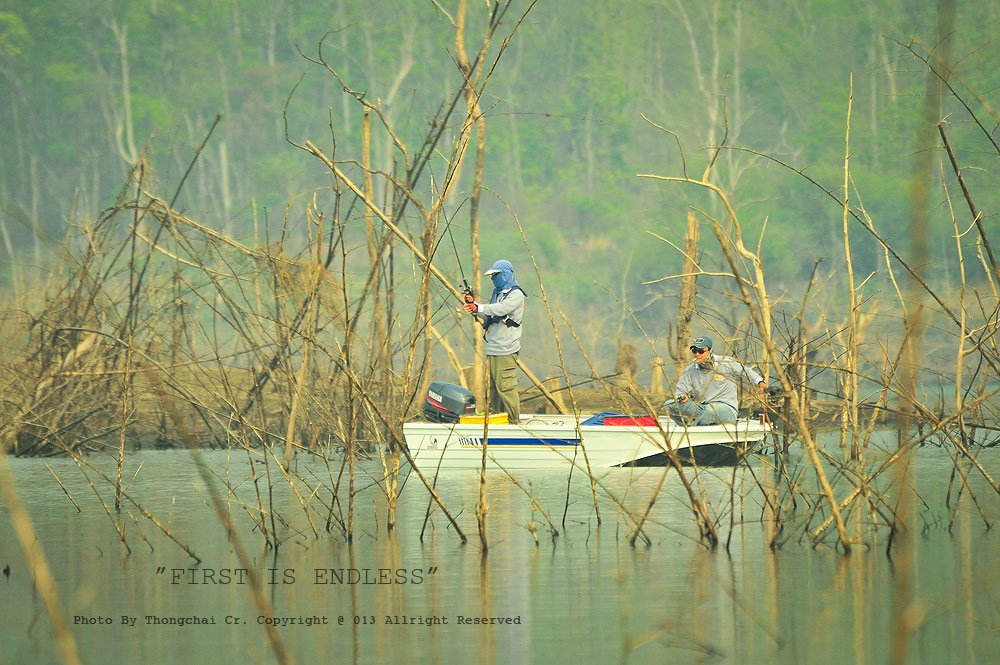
(582, 595)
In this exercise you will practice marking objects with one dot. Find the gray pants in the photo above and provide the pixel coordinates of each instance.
(503, 386)
(711, 413)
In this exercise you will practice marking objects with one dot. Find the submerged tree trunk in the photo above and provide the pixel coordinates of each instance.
(689, 290)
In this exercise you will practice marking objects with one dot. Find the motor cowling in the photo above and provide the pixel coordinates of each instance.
(447, 403)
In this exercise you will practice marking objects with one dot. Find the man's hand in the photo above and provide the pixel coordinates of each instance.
(763, 386)
(471, 307)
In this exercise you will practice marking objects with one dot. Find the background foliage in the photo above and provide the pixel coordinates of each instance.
(577, 108)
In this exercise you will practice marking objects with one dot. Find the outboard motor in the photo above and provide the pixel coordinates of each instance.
(447, 403)
(774, 402)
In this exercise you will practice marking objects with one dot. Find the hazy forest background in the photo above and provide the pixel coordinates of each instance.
(582, 102)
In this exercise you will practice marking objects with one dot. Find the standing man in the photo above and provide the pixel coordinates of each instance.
(502, 331)
(706, 391)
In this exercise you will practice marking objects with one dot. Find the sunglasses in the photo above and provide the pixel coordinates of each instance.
(695, 349)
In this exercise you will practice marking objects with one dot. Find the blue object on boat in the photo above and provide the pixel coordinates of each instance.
(598, 418)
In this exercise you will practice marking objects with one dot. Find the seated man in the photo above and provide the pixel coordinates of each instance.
(706, 390)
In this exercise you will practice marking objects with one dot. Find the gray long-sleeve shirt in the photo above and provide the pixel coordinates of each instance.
(501, 339)
(717, 384)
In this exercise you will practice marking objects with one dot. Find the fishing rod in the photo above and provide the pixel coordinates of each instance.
(466, 289)
(573, 385)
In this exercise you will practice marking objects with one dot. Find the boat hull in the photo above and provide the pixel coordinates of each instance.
(552, 441)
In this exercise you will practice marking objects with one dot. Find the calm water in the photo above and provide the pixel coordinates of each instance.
(586, 596)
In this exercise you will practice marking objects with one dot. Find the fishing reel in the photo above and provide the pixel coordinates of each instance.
(774, 398)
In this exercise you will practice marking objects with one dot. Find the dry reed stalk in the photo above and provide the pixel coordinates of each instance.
(553, 397)
(965, 488)
(883, 399)
(119, 526)
(34, 553)
(583, 445)
(138, 529)
(890, 462)
(472, 88)
(641, 522)
(963, 333)
(377, 249)
(977, 216)
(474, 81)
(312, 313)
(122, 429)
(772, 512)
(334, 494)
(239, 435)
(63, 488)
(535, 505)
(246, 561)
(427, 265)
(380, 327)
(265, 494)
(385, 219)
(758, 307)
(486, 644)
(253, 513)
(289, 479)
(890, 252)
(430, 503)
(927, 416)
(351, 427)
(145, 513)
(482, 505)
(388, 457)
(904, 609)
(732, 499)
(431, 224)
(356, 608)
(699, 511)
(452, 356)
(390, 470)
(849, 410)
(761, 317)
(400, 445)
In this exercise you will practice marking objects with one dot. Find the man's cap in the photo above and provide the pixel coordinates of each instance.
(499, 267)
(702, 342)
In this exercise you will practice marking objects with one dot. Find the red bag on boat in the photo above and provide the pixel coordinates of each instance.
(631, 421)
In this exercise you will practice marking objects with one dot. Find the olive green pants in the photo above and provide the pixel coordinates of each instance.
(503, 386)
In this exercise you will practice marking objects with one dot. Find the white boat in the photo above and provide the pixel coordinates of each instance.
(548, 441)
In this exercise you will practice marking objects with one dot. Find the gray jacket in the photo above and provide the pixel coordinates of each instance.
(717, 384)
(502, 339)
